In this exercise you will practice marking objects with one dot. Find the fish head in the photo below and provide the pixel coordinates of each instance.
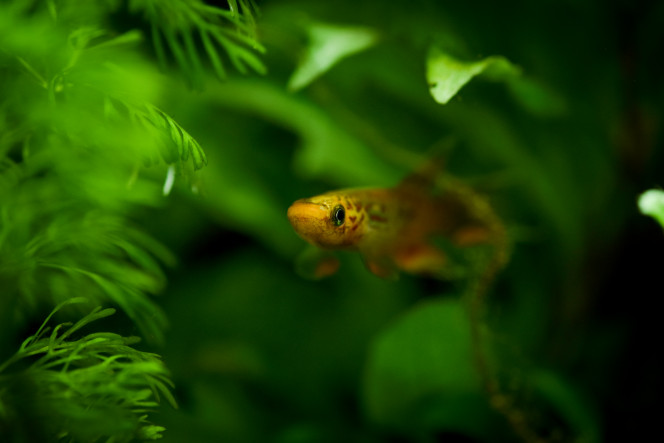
(325, 221)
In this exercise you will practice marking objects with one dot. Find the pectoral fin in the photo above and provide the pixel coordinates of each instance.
(471, 236)
(421, 259)
(428, 260)
(382, 267)
(316, 264)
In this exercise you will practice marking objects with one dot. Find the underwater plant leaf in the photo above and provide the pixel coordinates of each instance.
(42, 328)
(420, 372)
(131, 37)
(327, 149)
(150, 432)
(241, 57)
(158, 46)
(174, 143)
(147, 316)
(536, 97)
(213, 55)
(179, 20)
(185, 143)
(93, 387)
(446, 75)
(59, 251)
(651, 203)
(328, 45)
(96, 314)
(572, 406)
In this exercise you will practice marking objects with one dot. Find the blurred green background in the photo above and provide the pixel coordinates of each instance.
(561, 135)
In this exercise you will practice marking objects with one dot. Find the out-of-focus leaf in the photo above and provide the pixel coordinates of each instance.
(535, 97)
(651, 203)
(177, 24)
(446, 75)
(570, 404)
(420, 372)
(328, 151)
(329, 44)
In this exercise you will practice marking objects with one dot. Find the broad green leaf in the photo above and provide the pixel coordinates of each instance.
(421, 373)
(446, 75)
(651, 203)
(329, 44)
(328, 150)
(574, 408)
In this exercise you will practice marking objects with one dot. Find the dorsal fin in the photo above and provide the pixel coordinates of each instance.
(426, 176)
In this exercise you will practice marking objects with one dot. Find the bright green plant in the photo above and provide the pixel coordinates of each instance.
(116, 141)
(84, 144)
(82, 389)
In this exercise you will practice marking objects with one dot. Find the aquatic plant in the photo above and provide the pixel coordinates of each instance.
(85, 145)
(149, 150)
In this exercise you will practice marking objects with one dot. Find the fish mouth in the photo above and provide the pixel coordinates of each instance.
(309, 219)
(304, 210)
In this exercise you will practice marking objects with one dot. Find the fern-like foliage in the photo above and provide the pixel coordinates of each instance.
(89, 388)
(183, 26)
(174, 143)
(77, 121)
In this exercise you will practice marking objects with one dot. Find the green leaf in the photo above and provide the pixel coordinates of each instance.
(174, 142)
(570, 404)
(536, 97)
(128, 38)
(329, 44)
(96, 314)
(651, 203)
(446, 75)
(158, 46)
(179, 21)
(421, 374)
(94, 388)
(213, 55)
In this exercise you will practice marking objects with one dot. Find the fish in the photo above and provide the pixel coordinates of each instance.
(395, 229)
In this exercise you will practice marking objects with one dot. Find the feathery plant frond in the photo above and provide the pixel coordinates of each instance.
(76, 123)
(80, 116)
(175, 144)
(81, 68)
(81, 389)
(184, 25)
(54, 248)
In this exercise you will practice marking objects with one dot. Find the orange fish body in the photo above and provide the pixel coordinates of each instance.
(391, 228)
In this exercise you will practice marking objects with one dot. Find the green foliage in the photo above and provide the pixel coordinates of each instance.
(538, 138)
(651, 203)
(181, 22)
(174, 143)
(327, 46)
(577, 411)
(97, 386)
(446, 75)
(101, 146)
(85, 142)
(421, 369)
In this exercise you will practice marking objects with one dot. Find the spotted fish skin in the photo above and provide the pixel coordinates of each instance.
(365, 218)
(391, 228)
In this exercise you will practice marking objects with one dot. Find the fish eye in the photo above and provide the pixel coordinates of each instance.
(338, 215)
